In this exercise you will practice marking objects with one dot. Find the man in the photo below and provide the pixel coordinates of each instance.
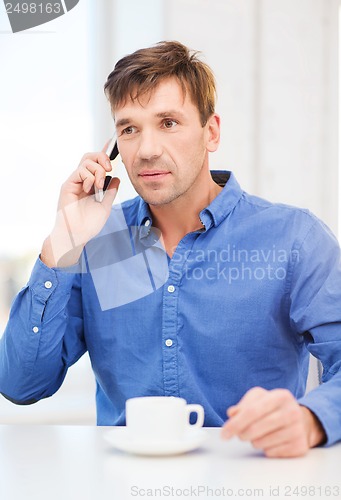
(248, 287)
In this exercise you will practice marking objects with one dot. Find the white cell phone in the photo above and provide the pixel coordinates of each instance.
(112, 152)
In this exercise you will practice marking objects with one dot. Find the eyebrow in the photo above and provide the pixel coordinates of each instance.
(163, 114)
(171, 112)
(123, 122)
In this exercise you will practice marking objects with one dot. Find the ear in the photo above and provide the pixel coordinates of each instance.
(213, 129)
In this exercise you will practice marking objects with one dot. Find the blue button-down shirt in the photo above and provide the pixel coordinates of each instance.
(241, 303)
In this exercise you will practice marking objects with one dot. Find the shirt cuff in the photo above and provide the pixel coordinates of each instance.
(44, 280)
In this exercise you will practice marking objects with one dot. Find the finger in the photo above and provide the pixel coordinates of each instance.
(105, 147)
(261, 428)
(87, 179)
(232, 410)
(102, 163)
(111, 192)
(280, 436)
(252, 396)
(100, 158)
(286, 417)
(241, 415)
(99, 178)
(288, 450)
(253, 407)
(96, 171)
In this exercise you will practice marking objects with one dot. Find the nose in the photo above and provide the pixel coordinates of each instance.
(149, 146)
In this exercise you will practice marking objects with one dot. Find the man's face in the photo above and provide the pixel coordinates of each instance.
(162, 143)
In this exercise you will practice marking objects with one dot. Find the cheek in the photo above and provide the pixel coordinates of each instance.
(126, 157)
(195, 153)
(188, 148)
(188, 156)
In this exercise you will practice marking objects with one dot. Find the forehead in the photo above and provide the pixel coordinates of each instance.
(168, 94)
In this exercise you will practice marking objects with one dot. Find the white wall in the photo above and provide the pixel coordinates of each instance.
(276, 66)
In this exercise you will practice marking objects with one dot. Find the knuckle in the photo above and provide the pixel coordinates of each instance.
(249, 433)
(256, 443)
(254, 394)
(86, 156)
(100, 172)
(87, 163)
(243, 436)
(284, 395)
(257, 390)
(294, 413)
(300, 448)
(102, 158)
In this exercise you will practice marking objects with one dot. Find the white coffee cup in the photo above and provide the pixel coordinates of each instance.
(161, 418)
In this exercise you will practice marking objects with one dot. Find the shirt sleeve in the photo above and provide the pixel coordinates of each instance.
(43, 337)
(315, 312)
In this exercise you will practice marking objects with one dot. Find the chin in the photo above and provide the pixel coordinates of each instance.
(157, 201)
(155, 197)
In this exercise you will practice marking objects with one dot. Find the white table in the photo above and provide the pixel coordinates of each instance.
(74, 462)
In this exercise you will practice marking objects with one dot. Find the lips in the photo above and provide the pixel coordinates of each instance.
(153, 174)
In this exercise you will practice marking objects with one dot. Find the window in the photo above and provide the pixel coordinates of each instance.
(45, 124)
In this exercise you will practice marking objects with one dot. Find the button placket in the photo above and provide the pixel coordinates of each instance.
(170, 370)
(170, 316)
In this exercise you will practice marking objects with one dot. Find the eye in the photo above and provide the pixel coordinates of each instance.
(169, 123)
(128, 130)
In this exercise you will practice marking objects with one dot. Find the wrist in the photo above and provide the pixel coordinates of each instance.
(59, 250)
(316, 434)
(46, 254)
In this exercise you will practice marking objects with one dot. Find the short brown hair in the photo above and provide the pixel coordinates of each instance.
(140, 72)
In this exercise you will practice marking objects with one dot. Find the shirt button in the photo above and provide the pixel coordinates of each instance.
(147, 223)
(35, 329)
(169, 342)
(48, 284)
(171, 288)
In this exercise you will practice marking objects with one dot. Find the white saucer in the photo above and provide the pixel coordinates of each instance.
(120, 439)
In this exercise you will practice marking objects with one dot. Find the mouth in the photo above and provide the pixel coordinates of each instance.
(153, 174)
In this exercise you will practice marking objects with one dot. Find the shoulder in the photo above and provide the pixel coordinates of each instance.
(279, 220)
(277, 212)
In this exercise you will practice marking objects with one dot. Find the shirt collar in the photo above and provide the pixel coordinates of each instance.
(225, 202)
(144, 217)
(210, 216)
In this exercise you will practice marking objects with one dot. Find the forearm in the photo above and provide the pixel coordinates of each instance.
(32, 359)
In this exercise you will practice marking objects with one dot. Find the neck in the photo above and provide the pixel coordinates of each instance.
(181, 216)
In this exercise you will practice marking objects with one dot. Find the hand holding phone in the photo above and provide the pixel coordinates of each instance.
(112, 152)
